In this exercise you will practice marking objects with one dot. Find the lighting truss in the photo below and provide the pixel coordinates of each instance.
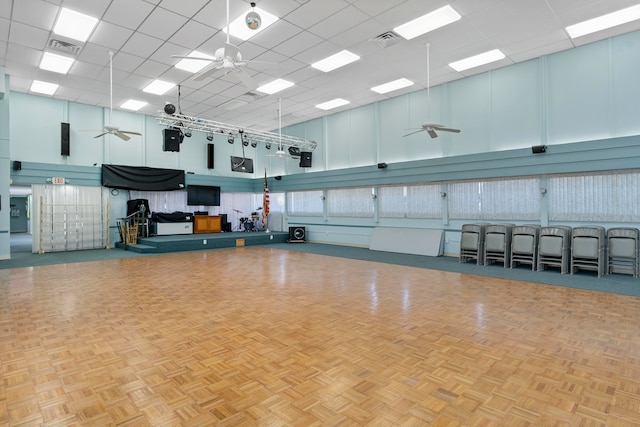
(189, 123)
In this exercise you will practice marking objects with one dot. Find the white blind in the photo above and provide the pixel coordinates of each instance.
(392, 201)
(508, 199)
(611, 197)
(352, 202)
(424, 201)
(305, 203)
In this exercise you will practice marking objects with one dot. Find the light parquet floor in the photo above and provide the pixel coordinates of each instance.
(258, 336)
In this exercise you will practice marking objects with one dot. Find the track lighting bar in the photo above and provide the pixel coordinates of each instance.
(188, 123)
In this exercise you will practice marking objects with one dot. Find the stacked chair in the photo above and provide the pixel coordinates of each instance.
(585, 247)
(588, 249)
(554, 248)
(472, 243)
(524, 245)
(622, 250)
(497, 244)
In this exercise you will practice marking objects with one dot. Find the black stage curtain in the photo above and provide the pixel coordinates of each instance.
(142, 178)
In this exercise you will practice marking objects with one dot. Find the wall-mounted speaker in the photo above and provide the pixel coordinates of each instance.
(537, 149)
(277, 177)
(65, 146)
(17, 165)
(382, 165)
(297, 234)
(305, 159)
(171, 139)
(210, 156)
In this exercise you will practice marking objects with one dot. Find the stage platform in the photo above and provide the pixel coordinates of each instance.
(193, 242)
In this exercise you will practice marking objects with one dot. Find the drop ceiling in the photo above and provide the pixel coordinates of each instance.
(144, 34)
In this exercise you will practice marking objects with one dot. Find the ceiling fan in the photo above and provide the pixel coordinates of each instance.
(431, 128)
(110, 128)
(229, 60)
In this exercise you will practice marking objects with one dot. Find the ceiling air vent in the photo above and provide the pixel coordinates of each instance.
(63, 46)
(250, 96)
(385, 39)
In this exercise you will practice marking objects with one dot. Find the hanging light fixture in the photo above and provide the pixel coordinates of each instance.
(253, 19)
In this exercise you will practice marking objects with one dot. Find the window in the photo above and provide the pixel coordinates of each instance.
(611, 197)
(353, 202)
(509, 199)
(305, 203)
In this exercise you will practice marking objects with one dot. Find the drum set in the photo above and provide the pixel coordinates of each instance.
(252, 223)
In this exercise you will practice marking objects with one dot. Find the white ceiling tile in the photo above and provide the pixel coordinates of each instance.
(184, 8)
(192, 35)
(128, 14)
(141, 45)
(162, 23)
(110, 35)
(23, 12)
(28, 36)
(4, 29)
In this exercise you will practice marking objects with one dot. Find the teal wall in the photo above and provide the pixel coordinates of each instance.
(4, 166)
(583, 104)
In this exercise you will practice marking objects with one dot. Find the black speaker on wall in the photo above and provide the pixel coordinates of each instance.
(171, 139)
(65, 146)
(209, 156)
(538, 149)
(305, 159)
(297, 234)
(17, 165)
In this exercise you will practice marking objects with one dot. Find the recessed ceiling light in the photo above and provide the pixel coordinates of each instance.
(275, 86)
(334, 103)
(194, 65)
(338, 60)
(603, 22)
(477, 60)
(429, 22)
(391, 86)
(238, 27)
(44, 87)
(158, 87)
(56, 63)
(134, 105)
(74, 25)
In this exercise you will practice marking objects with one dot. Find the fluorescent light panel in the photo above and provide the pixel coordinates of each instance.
(391, 86)
(44, 87)
(134, 105)
(477, 60)
(194, 65)
(275, 86)
(238, 27)
(74, 25)
(335, 61)
(429, 22)
(158, 87)
(334, 103)
(56, 63)
(603, 22)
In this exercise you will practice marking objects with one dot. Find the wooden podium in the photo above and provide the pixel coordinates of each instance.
(207, 224)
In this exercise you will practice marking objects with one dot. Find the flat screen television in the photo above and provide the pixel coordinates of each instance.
(241, 164)
(203, 195)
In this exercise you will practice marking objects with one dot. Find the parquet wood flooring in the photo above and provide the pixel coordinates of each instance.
(258, 336)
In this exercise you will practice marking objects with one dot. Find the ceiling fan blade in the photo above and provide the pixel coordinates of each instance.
(197, 58)
(411, 133)
(122, 136)
(130, 132)
(245, 79)
(102, 134)
(432, 133)
(449, 130)
(207, 73)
